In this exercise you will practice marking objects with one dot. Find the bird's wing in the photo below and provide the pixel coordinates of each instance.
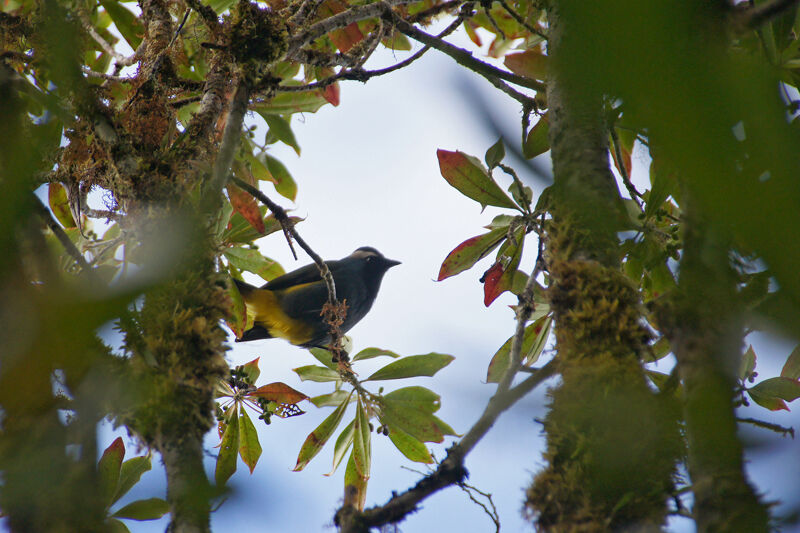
(305, 301)
(306, 274)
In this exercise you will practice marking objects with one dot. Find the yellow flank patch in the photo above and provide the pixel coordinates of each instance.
(265, 309)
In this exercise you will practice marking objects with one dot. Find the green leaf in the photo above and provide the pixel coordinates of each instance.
(783, 388)
(130, 473)
(768, 402)
(748, 363)
(324, 356)
(417, 422)
(413, 449)
(108, 469)
(791, 369)
(469, 177)
(533, 343)
(469, 252)
(251, 371)
(411, 366)
(249, 447)
(149, 509)
(537, 142)
(251, 260)
(219, 6)
(226, 459)
(495, 154)
(659, 350)
(362, 449)
(282, 130)
(369, 353)
(333, 398)
(396, 41)
(317, 438)
(284, 183)
(286, 103)
(415, 397)
(59, 203)
(316, 373)
(355, 486)
(501, 221)
(127, 23)
(115, 526)
(342, 445)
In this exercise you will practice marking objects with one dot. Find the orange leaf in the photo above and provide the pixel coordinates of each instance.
(344, 38)
(247, 206)
(530, 64)
(331, 93)
(278, 393)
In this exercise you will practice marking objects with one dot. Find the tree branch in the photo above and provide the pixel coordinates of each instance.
(341, 20)
(464, 57)
(230, 140)
(359, 74)
(751, 17)
(60, 234)
(450, 471)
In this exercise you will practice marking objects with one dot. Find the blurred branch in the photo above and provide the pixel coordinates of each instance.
(450, 471)
(753, 16)
(60, 234)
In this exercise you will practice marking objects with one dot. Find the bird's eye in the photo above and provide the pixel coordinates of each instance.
(369, 258)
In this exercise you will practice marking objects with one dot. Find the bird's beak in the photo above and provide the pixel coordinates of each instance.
(390, 263)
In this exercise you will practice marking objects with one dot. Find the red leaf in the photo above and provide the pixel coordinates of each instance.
(345, 38)
(468, 175)
(247, 206)
(491, 284)
(278, 393)
(530, 64)
(331, 93)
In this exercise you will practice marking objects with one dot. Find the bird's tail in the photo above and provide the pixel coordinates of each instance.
(244, 288)
(248, 292)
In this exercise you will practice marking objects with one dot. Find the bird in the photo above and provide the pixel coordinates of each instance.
(290, 306)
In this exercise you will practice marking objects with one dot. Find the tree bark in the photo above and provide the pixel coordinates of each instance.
(611, 442)
(704, 327)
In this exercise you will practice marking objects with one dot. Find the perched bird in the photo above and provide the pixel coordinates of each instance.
(290, 306)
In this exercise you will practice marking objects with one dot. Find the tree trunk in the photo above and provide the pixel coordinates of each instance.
(704, 327)
(611, 443)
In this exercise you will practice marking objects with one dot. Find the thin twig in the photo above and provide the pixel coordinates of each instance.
(754, 16)
(464, 57)
(363, 75)
(516, 16)
(206, 13)
(105, 45)
(623, 170)
(108, 77)
(60, 234)
(492, 513)
(341, 20)
(335, 309)
(768, 425)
